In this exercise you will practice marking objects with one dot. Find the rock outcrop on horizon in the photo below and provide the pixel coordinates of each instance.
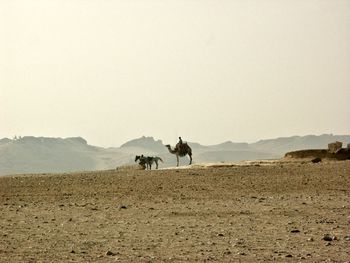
(46, 155)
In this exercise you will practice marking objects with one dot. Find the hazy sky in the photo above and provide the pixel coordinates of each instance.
(206, 70)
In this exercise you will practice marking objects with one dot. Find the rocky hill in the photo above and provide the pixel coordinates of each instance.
(41, 155)
(38, 154)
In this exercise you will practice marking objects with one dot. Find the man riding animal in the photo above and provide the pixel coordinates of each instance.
(181, 149)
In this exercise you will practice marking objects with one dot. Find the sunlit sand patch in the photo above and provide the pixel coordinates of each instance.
(129, 167)
(231, 164)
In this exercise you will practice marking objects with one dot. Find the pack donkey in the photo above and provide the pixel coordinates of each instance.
(147, 161)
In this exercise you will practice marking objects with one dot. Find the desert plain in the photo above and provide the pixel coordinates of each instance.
(259, 212)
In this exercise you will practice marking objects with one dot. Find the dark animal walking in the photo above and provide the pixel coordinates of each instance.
(147, 161)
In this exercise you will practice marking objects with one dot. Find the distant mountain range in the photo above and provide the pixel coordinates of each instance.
(43, 155)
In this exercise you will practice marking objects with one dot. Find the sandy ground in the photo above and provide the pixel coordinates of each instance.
(254, 213)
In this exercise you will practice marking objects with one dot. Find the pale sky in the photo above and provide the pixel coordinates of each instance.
(206, 70)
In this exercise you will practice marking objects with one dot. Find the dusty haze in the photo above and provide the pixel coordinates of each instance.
(210, 71)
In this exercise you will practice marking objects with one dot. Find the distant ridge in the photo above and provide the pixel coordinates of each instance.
(145, 142)
(31, 154)
(286, 144)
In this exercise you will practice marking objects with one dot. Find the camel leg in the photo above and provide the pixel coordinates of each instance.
(156, 164)
(177, 158)
(190, 159)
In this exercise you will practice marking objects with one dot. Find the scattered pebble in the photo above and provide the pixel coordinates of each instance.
(295, 231)
(110, 253)
(316, 160)
(328, 237)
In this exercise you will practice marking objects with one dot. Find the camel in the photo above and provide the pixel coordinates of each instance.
(181, 150)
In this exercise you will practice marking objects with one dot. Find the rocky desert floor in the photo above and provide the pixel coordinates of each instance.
(280, 212)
